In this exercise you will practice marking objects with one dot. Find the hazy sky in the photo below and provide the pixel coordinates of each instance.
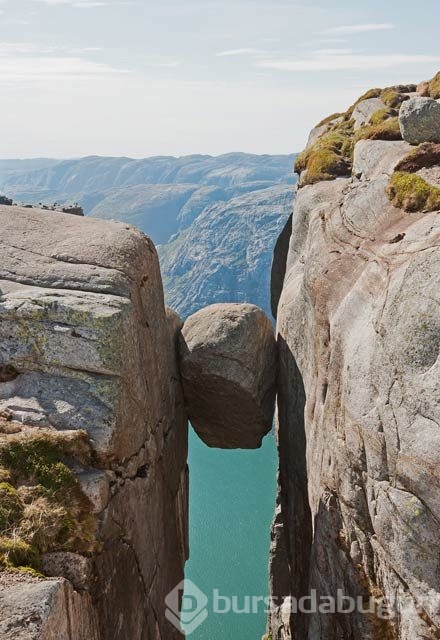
(153, 77)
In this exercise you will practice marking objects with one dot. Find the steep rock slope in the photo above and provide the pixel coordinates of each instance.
(358, 408)
(225, 255)
(93, 432)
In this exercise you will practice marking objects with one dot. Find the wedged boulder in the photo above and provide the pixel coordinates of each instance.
(228, 369)
(419, 120)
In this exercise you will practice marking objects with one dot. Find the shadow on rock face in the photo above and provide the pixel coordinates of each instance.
(228, 369)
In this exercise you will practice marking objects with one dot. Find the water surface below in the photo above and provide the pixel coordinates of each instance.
(232, 498)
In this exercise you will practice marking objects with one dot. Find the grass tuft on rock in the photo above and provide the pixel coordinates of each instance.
(330, 156)
(387, 129)
(15, 552)
(424, 156)
(412, 193)
(11, 506)
(42, 506)
(329, 119)
(381, 115)
(392, 98)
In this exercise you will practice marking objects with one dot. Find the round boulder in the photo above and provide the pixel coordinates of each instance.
(228, 368)
(419, 120)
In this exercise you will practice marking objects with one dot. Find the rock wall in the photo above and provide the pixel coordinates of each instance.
(358, 334)
(86, 344)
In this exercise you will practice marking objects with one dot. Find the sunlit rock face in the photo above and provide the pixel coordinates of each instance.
(86, 345)
(358, 406)
(228, 368)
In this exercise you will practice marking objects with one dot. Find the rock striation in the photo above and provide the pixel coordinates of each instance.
(87, 351)
(358, 335)
(228, 369)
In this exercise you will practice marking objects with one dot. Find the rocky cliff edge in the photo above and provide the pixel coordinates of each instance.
(358, 408)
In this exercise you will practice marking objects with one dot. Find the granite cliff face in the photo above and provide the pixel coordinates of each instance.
(358, 332)
(94, 429)
(225, 254)
(93, 414)
(86, 350)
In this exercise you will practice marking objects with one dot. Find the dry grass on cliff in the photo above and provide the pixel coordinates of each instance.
(331, 156)
(387, 129)
(42, 506)
(412, 193)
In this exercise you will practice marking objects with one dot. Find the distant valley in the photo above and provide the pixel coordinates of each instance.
(214, 220)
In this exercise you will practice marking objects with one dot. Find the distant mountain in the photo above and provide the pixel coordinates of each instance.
(215, 219)
(226, 253)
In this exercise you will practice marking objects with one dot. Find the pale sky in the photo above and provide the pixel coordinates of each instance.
(175, 77)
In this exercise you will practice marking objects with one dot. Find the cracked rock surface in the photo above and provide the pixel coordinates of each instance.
(86, 343)
(358, 407)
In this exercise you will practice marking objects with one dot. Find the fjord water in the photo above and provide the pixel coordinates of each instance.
(232, 498)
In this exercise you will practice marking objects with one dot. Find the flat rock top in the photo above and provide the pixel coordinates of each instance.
(222, 324)
(63, 251)
(8, 579)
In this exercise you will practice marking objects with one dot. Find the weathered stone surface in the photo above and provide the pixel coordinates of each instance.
(85, 344)
(419, 120)
(45, 610)
(228, 368)
(320, 130)
(278, 270)
(77, 569)
(364, 110)
(358, 411)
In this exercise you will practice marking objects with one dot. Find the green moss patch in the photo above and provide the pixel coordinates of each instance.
(18, 553)
(388, 129)
(410, 192)
(392, 98)
(11, 506)
(329, 157)
(330, 119)
(381, 115)
(42, 506)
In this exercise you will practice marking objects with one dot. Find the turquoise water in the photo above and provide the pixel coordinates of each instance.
(232, 498)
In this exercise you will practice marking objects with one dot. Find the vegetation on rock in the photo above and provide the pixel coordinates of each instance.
(424, 156)
(331, 156)
(42, 506)
(392, 98)
(411, 192)
(329, 119)
(434, 87)
(387, 129)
